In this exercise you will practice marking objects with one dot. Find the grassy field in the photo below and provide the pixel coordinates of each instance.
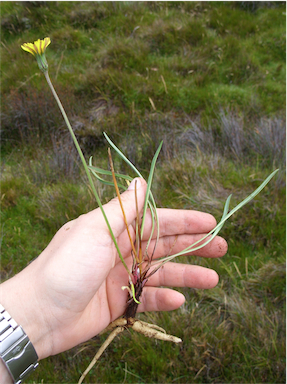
(209, 79)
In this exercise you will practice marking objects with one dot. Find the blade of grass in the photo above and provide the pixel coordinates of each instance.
(149, 195)
(138, 231)
(218, 227)
(95, 171)
(122, 155)
(121, 204)
(169, 258)
(148, 192)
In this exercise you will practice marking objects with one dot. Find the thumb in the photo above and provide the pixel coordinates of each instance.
(136, 190)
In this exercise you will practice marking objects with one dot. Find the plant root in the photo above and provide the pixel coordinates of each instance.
(149, 330)
(154, 326)
(121, 322)
(104, 346)
(153, 331)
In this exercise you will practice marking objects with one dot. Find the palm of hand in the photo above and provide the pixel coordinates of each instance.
(80, 275)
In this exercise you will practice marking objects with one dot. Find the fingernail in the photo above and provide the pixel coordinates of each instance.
(134, 182)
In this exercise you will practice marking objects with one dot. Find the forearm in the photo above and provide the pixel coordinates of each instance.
(21, 308)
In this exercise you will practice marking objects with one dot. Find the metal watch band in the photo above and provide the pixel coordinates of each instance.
(16, 350)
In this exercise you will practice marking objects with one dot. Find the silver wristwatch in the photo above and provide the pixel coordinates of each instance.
(16, 350)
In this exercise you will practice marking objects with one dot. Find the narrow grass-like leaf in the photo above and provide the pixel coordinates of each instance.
(122, 155)
(212, 234)
(121, 204)
(150, 178)
(218, 227)
(96, 171)
(149, 195)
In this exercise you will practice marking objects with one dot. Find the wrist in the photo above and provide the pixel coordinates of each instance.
(16, 350)
(19, 297)
(5, 377)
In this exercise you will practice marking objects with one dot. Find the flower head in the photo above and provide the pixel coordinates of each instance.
(38, 50)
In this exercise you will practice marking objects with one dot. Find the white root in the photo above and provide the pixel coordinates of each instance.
(107, 342)
(119, 325)
(150, 330)
(121, 322)
(152, 326)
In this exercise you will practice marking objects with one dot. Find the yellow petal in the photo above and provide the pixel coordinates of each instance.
(37, 45)
(47, 41)
(29, 47)
(41, 45)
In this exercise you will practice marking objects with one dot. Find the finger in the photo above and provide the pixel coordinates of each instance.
(184, 275)
(171, 245)
(177, 221)
(160, 299)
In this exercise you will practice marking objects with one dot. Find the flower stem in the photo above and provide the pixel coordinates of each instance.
(71, 132)
(80, 152)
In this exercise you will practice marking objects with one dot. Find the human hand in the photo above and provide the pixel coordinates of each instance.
(72, 291)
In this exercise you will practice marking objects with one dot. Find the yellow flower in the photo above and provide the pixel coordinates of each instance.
(38, 50)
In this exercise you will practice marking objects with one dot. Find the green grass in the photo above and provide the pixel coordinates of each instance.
(215, 72)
